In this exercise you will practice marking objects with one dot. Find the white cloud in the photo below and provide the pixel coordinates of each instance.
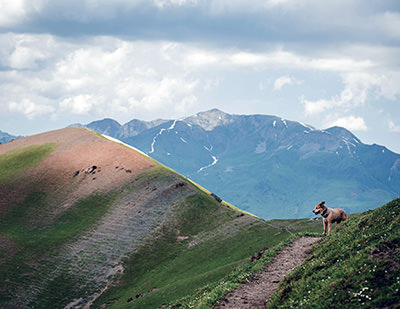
(81, 104)
(392, 126)
(196, 58)
(285, 80)
(351, 123)
(389, 22)
(358, 87)
(109, 77)
(24, 51)
(338, 64)
(312, 108)
(102, 77)
(15, 11)
(29, 108)
(25, 58)
(165, 3)
(11, 11)
(200, 58)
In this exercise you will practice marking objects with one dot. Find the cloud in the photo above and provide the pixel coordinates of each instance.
(221, 22)
(81, 104)
(23, 51)
(317, 107)
(392, 126)
(389, 22)
(195, 58)
(101, 77)
(358, 87)
(29, 108)
(285, 80)
(18, 11)
(351, 123)
(106, 76)
(178, 3)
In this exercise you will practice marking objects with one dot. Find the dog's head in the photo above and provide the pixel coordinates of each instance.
(319, 208)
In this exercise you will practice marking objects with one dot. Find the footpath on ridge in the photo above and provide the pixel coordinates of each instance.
(259, 290)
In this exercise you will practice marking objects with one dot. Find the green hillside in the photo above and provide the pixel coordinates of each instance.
(15, 161)
(357, 266)
(196, 248)
(84, 219)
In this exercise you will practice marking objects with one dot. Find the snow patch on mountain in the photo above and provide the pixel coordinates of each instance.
(215, 160)
(307, 126)
(161, 132)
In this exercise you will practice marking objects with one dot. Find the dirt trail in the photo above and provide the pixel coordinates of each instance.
(257, 292)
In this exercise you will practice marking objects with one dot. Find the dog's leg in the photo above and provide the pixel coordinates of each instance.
(324, 223)
(329, 227)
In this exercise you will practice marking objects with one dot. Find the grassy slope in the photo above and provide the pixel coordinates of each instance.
(191, 277)
(217, 238)
(15, 161)
(27, 240)
(357, 266)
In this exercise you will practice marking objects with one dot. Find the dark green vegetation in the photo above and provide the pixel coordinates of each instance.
(357, 266)
(15, 161)
(268, 166)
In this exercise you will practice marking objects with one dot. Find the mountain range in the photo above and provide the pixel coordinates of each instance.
(266, 165)
(5, 137)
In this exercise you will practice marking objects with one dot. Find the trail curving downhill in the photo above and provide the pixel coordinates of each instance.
(258, 292)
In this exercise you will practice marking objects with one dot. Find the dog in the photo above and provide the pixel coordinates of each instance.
(329, 215)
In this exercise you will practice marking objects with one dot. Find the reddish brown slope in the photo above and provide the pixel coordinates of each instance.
(70, 165)
(82, 163)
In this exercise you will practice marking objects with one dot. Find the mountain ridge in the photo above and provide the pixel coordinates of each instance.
(6, 137)
(271, 166)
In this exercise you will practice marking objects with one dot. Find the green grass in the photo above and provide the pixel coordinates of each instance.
(213, 292)
(17, 160)
(174, 268)
(177, 271)
(16, 222)
(356, 266)
(210, 294)
(34, 243)
(214, 257)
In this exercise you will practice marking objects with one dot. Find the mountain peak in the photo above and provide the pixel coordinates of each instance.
(5, 137)
(343, 133)
(211, 119)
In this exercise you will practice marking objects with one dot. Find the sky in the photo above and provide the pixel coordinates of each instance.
(324, 63)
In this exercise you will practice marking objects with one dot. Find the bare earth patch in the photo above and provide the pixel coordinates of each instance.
(258, 292)
(68, 171)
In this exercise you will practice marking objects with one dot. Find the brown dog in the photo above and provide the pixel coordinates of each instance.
(329, 215)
